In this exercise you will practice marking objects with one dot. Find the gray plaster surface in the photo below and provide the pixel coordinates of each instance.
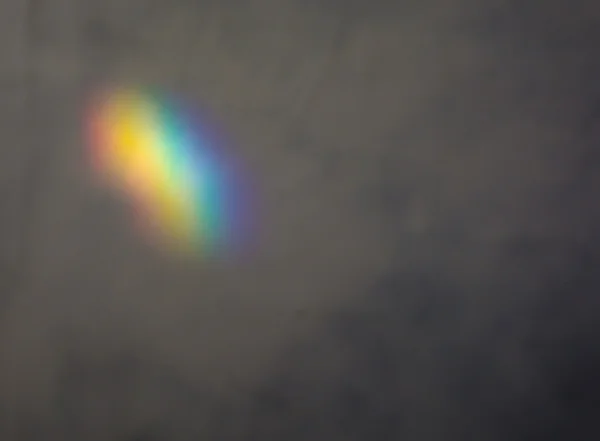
(428, 263)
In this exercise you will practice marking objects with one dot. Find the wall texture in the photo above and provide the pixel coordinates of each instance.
(428, 261)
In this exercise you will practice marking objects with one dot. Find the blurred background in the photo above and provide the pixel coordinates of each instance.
(429, 249)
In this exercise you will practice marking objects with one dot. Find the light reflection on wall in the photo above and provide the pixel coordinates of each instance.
(188, 191)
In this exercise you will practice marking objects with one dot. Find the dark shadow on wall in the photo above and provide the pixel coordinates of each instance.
(414, 360)
(407, 365)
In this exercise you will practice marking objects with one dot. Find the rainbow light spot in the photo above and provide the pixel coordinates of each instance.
(186, 192)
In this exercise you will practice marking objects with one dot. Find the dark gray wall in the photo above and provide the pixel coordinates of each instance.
(430, 224)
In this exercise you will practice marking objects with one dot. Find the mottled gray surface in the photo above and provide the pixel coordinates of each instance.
(428, 264)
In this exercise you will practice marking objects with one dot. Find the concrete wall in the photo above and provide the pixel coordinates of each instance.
(427, 268)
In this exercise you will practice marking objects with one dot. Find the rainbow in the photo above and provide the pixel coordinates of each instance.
(185, 191)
